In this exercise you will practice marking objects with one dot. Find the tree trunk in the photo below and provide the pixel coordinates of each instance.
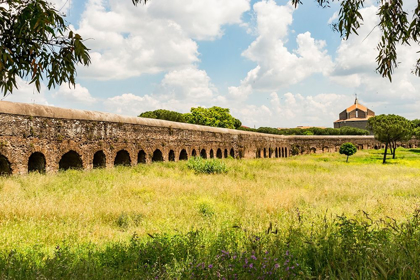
(395, 148)
(347, 159)
(386, 150)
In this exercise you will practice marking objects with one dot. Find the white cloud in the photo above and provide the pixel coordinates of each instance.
(76, 94)
(179, 91)
(27, 93)
(277, 66)
(189, 83)
(129, 41)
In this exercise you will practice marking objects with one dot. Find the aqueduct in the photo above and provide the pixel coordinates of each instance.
(46, 139)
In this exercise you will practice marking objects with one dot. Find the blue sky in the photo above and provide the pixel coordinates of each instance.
(271, 64)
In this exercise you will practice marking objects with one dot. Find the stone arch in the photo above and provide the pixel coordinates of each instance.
(183, 155)
(99, 160)
(313, 150)
(232, 153)
(141, 158)
(281, 151)
(277, 152)
(226, 153)
(325, 149)
(285, 152)
(37, 163)
(270, 152)
(171, 155)
(219, 153)
(211, 153)
(258, 153)
(157, 155)
(122, 158)
(203, 154)
(5, 166)
(194, 153)
(265, 152)
(70, 160)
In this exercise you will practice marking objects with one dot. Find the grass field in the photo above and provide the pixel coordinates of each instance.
(184, 220)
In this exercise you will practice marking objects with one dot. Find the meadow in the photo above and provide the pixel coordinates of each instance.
(305, 217)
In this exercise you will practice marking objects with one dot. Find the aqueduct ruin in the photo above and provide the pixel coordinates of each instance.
(47, 139)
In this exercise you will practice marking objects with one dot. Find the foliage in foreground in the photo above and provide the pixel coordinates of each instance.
(208, 166)
(36, 43)
(329, 247)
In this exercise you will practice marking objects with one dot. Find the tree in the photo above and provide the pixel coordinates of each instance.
(391, 129)
(395, 27)
(164, 115)
(35, 43)
(214, 116)
(348, 149)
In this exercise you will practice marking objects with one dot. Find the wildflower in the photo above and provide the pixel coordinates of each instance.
(225, 252)
(287, 252)
(276, 266)
(266, 252)
(210, 266)
(253, 257)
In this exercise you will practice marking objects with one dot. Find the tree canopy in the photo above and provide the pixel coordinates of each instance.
(390, 129)
(214, 116)
(394, 24)
(164, 115)
(35, 43)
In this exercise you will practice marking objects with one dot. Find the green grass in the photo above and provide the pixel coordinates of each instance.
(102, 220)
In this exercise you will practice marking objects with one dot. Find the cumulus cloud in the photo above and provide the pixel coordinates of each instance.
(277, 66)
(130, 41)
(74, 94)
(179, 91)
(27, 93)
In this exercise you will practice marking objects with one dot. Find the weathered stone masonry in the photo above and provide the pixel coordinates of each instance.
(43, 138)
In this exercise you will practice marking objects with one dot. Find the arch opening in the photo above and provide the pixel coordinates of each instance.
(70, 160)
(194, 153)
(232, 153)
(265, 152)
(313, 150)
(141, 158)
(5, 168)
(99, 160)
(219, 153)
(277, 152)
(122, 158)
(211, 153)
(183, 155)
(226, 153)
(203, 154)
(37, 162)
(171, 156)
(270, 152)
(157, 156)
(282, 152)
(285, 153)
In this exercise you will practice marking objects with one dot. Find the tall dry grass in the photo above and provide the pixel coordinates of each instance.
(102, 206)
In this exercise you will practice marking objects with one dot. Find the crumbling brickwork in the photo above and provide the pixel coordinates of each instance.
(46, 139)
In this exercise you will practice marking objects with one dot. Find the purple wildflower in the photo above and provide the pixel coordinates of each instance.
(276, 266)
(253, 257)
(210, 266)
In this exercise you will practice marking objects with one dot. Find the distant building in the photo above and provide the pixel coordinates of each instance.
(356, 115)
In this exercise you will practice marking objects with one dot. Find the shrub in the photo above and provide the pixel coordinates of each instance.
(210, 166)
(348, 149)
